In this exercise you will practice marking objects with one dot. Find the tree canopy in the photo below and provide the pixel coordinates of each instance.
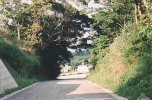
(50, 28)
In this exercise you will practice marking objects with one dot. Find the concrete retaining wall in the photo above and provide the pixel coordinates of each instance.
(6, 79)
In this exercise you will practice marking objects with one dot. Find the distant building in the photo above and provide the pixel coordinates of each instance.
(66, 69)
(82, 69)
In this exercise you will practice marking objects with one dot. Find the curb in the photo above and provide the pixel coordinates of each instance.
(16, 92)
(109, 91)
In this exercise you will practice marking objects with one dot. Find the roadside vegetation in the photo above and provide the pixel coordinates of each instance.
(122, 55)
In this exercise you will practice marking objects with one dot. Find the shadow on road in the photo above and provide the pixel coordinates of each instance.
(73, 89)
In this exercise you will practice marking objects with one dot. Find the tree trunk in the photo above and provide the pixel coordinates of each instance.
(136, 14)
(139, 9)
(18, 33)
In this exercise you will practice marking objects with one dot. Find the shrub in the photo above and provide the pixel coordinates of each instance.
(100, 49)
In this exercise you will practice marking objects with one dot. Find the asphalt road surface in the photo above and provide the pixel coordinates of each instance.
(65, 89)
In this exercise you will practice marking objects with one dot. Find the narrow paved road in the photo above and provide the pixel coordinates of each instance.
(72, 89)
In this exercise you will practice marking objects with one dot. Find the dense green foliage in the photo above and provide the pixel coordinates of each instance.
(100, 49)
(123, 63)
(19, 60)
(49, 28)
(116, 15)
(138, 56)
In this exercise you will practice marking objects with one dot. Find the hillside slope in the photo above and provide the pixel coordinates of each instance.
(126, 67)
(22, 66)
